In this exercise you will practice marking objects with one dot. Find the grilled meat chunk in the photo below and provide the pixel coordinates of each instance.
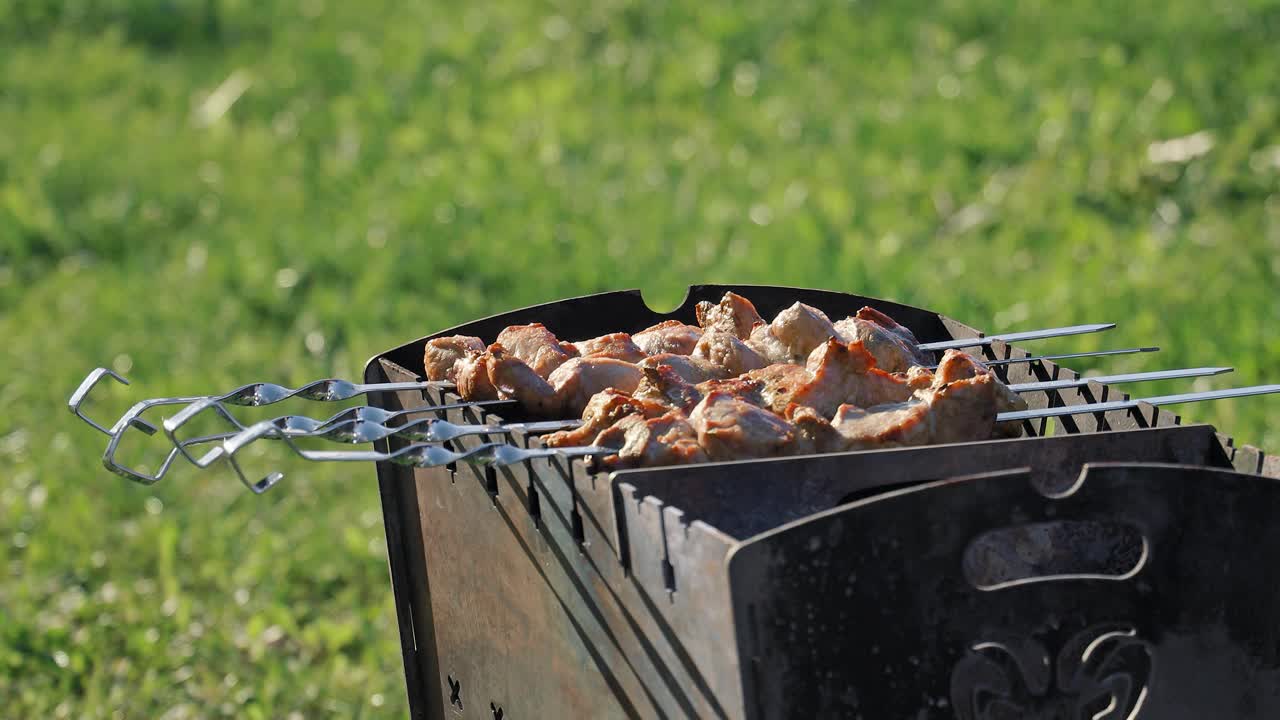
(515, 379)
(834, 373)
(957, 365)
(604, 410)
(578, 379)
(734, 315)
(730, 428)
(443, 353)
(669, 336)
(873, 315)
(665, 440)
(536, 346)
(618, 346)
(472, 378)
(891, 351)
(728, 352)
(664, 385)
(792, 335)
(692, 369)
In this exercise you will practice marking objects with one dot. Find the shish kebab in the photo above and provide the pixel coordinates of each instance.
(668, 416)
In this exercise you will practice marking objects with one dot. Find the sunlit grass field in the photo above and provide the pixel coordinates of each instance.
(201, 193)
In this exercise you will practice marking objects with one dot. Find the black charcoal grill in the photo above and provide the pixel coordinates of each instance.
(1102, 566)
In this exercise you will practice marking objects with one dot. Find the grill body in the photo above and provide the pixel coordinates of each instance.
(836, 585)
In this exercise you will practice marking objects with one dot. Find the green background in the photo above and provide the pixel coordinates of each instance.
(203, 193)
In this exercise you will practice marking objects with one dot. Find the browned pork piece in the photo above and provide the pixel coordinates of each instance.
(960, 406)
(443, 353)
(605, 409)
(618, 346)
(792, 335)
(691, 369)
(665, 440)
(472, 377)
(728, 352)
(513, 378)
(536, 346)
(734, 315)
(668, 336)
(664, 385)
(580, 378)
(730, 428)
(957, 365)
(886, 340)
(835, 373)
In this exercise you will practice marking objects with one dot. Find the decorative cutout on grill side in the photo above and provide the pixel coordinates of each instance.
(1101, 672)
(1054, 551)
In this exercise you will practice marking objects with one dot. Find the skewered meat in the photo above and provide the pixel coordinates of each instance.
(693, 369)
(728, 352)
(958, 365)
(665, 440)
(959, 407)
(669, 336)
(472, 378)
(663, 384)
(888, 323)
(618, 346)
(891, 351)
(834, 373)
(514, 378)
(580, 378)
(730, 428)
(792, 335)
(536, 346)
(443, 353)
(734, 315)
(605, 409)
(890, 425)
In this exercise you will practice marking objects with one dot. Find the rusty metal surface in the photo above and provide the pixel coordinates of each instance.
(874, 609)
(544, 591)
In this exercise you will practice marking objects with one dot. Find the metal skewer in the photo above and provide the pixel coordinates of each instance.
(418, 455)
(1015, 337)
(1046, 385)
(364, 416)
(1128, 404)
(1061, 356)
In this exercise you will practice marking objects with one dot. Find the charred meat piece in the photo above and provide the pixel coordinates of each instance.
(728, 352)
(443, 353)
(665, 440)
(536, 346)
(734, 315)
(604, 410)
(669, 336)
(513, 378)
(578, 379)
(618, 346)
(792, 335)
(692, 369)
(730, 428)
(472, 378)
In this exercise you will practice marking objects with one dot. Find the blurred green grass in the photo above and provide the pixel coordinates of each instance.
(203, 192)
